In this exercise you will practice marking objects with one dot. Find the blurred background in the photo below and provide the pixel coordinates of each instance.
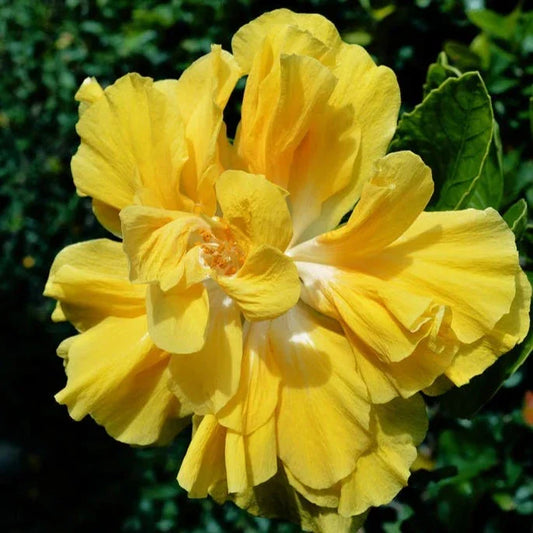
(58, 475)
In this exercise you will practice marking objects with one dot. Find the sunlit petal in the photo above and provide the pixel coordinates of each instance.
(256, 207)
(177, 319)
(323, 400)
(266, 286)
(116, 375)
(139, 154)
(90, 281)
(204, 381)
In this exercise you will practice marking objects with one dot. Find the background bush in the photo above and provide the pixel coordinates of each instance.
(61, 476)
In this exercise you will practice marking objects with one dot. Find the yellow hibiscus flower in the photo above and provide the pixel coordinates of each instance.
(299, 346)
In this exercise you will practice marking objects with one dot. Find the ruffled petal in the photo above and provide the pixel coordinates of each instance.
(177, 319)
(457, 259)
(116, 375)
(383, 469)
(511, 329)
(277, 498)
(298, 33)
(279, 106)
(376, 103)
(204, 381)
(203, 466)
(90, 282)
(258, 394)
(251, 459)
(265, 286)
(292, 59)
(201, 94)
(155, 241)
(390, 202)
(398, 427)
(364, 123)
(288, 123)
(323, 401)
(402, 341)
(412, 309)
(256, 207)
(132, 147)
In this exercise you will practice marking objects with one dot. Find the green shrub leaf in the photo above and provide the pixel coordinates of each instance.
(452, 130)
(516, 218)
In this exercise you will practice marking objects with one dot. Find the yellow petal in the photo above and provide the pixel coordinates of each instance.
(256, 207)
(286, 132)
(257, 397)
(381, 472)
(203, 465)
(346, 131)
(204, 381)
(316, 30)
(251, 459)
(390, 202)
(155, 241)
(116, 375)
(276, 498)
(88, 93)
(418, 371)
(388, 323)
(374, 95)
(177, 319)
(108, 216)
(466, 260)
(132, 146)
(328, 497)
(90, 280)
(278, 110)
(369, 319)
(413, 307)
(511, 329)
(261, 453)
(323, 400)
(201, 94)
(265, 286)
(361, 117)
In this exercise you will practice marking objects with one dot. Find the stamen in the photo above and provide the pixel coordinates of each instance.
(220, 250)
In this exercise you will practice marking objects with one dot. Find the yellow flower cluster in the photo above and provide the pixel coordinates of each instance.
(298, 347)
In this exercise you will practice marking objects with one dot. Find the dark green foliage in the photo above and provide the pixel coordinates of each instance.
(61, 476)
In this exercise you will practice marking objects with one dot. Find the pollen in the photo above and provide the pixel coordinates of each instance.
(221, 252)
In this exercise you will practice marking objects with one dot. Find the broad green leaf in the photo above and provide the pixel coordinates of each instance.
(481, 45)
(438, 73)
(516, 218)
(496, 25)
(488, 190)
(463, 56)
(451, 130)
(518, 175)
(465, 401)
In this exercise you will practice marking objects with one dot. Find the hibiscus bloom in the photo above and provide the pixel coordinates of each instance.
(298, 345)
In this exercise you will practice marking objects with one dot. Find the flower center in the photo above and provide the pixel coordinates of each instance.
(220, 251)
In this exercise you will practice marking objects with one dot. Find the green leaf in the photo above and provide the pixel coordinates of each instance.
(465, 401)
(438, 73)
(463, 56)
(496, 25)
(451, 130)
(516, 218)
(488, 190)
